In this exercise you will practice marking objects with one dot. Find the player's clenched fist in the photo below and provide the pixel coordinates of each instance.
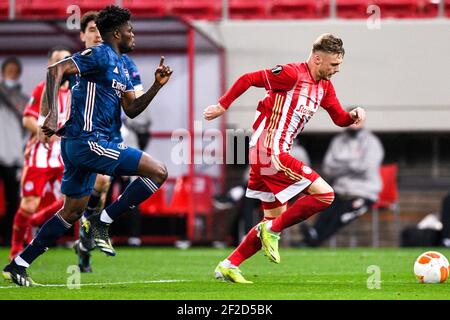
(358, 115)
(213, 111)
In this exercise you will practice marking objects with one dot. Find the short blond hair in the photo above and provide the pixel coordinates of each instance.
(328, 43)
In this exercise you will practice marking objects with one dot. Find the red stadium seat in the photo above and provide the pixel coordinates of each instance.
(387, 200)
(297, 9)
(447, 8)
(198, 194)
(42, 9)
(97, 5)
(202, 188)
(195, 9)
(351, 9)
(389, 193)
(248, 9)
(4, 10)
(145, 8)
(397, 8)
(427, 9)
(156, 204)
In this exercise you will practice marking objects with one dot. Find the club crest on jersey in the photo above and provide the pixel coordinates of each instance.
(320, 94)
(277, 70)
(29, 185)
(122, 146)
(306, 170)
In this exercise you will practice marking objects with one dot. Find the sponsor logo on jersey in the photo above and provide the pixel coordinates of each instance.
(304, 110)
(276, 70)
(118, 86)
(116, 70)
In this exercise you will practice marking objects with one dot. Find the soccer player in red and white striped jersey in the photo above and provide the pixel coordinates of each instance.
(43, 165)
(294, 93)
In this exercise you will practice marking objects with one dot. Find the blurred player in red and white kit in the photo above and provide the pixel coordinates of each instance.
(43, 167)
(294, 93)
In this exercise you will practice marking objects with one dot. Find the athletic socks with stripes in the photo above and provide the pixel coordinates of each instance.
(136, 192)
(46, 237)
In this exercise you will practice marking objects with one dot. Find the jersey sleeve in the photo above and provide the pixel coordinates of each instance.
(33, 106)
(133, 71)
(277, 78)
(280, 77)
(130, 86)
(332, 105)
(90, 60)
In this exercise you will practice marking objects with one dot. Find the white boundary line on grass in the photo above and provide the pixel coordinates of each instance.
(93, 284)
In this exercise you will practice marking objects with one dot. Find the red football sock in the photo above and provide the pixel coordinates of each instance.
(22, 221)
(247, 248)
(46, 213)
(302, 209)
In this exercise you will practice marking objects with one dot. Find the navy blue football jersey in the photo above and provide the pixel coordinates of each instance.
(135, 79)
(96, 96)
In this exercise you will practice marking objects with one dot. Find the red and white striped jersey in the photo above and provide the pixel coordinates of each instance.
(293, 97)
(36, 155)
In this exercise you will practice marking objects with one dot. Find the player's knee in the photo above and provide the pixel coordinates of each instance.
(161, 174)
(29, 204)
(71, 215)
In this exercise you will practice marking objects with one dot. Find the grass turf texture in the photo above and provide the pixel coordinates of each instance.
(303, 274)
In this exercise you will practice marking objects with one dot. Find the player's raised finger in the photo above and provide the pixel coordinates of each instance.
(161, 62)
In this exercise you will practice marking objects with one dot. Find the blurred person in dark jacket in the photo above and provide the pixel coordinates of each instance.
(352, 163)
(12, 104)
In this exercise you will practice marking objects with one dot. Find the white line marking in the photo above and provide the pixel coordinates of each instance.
(99, 284)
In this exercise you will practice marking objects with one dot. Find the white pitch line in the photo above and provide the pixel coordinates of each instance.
(98, 284)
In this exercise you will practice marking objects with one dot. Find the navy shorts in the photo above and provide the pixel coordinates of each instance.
(84, 159)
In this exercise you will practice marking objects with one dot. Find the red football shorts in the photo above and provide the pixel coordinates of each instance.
(279, 177)
(38, 181)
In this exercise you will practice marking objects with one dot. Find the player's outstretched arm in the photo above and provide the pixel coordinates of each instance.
(134, 106)
(55, 73)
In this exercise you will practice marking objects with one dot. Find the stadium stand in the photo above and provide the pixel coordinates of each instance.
(41, 9)
(195, 9)
(298, 9)
(143, 8)
(238, 9)
(247, 9)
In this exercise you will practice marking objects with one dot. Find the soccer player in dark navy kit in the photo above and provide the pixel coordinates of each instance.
(103, 87)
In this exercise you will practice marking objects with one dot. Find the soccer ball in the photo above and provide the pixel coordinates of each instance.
(431, 267)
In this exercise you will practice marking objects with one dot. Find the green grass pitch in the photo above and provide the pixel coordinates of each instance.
(168, 273)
